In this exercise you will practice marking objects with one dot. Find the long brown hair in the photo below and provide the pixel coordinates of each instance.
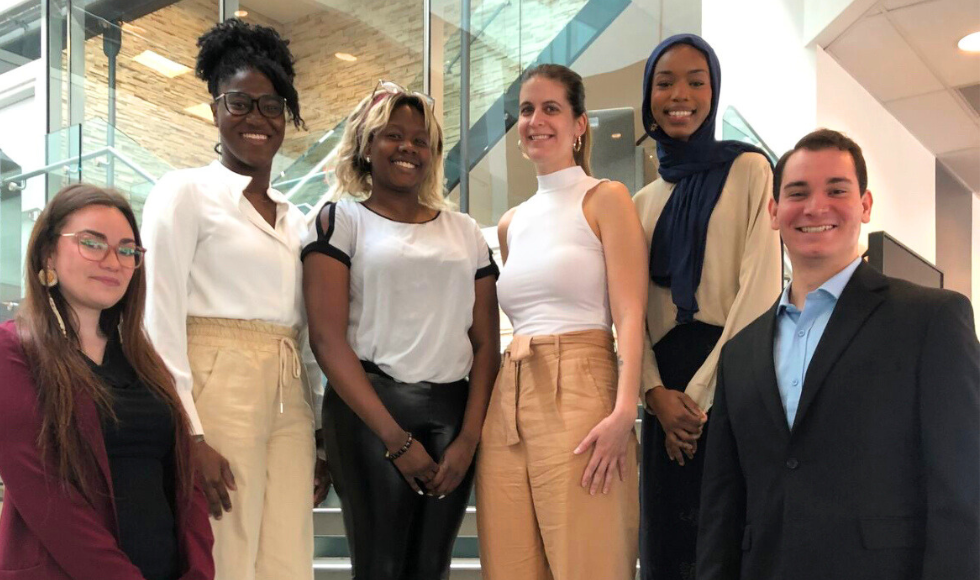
(59, 368)
(575, 93)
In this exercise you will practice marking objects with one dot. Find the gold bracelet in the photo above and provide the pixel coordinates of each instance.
(393, 456)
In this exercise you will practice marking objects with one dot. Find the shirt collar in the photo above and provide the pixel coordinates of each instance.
(239, 182)
(834, 286)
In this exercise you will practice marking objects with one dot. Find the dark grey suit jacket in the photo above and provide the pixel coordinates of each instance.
(879, 478)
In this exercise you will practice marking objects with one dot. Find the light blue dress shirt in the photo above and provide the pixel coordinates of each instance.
(798, 333)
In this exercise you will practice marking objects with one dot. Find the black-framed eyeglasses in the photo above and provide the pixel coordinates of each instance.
(94, 247)
(238, 104)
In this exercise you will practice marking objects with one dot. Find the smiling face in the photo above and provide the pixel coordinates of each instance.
(547, 125)
(250, 141)
(820, 209)
(400, 152)
(680, 95)
(86, 284)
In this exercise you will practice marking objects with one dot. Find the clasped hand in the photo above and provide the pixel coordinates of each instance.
(681, 419)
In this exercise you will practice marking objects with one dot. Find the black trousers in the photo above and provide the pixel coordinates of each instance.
(394, 533)
(670, 495)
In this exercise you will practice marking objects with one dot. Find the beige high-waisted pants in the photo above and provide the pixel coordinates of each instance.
(535, 521)
(256, 412)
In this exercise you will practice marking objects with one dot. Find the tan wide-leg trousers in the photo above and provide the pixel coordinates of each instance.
(535, 521)
(256, 412)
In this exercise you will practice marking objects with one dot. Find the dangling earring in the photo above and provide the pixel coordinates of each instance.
(57, 315)
(653, 127)
(48, 277)
(120, 329)
(217, 148)
(520, 146)
(367, 159)
(577, 146)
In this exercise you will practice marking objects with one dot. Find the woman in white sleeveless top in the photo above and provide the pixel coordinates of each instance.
(557, 470)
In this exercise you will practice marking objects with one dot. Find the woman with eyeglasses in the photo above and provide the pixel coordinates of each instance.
(226, 313)
(94, 445)
(403, 320)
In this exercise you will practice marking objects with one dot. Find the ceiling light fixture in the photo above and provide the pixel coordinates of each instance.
(616, 135)
(345, 56)
(241, 13)
(161, 64)
(970, 42)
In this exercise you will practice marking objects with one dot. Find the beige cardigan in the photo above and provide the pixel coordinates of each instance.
(742, 272)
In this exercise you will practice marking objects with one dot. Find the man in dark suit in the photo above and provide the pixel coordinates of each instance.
(845, 438)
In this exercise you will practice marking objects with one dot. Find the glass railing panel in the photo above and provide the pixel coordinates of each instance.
(124, 165)
(734, 127)
(138, 78)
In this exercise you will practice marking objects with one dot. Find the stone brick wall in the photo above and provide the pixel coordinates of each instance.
(388, 44)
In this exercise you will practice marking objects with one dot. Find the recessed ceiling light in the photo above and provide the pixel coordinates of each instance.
(202, 111)
(345, 56)
(970, 42)
(241, 13)
(161, 64)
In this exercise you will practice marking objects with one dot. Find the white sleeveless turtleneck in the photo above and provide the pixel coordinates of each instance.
(554, 280)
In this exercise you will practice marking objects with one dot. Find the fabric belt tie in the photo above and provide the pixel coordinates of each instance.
(518, 351)
(287, 351)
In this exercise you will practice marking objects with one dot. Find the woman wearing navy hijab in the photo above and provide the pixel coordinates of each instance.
(714, 267)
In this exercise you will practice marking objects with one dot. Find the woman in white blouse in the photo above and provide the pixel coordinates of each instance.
(402, 305)
(224, 309)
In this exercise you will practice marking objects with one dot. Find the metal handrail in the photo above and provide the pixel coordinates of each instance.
(78, 159)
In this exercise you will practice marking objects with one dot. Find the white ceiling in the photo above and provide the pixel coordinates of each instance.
(904, 53)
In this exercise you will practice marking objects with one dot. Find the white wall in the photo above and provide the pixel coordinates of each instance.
(901, 171)
(767, 71)
(785, 89)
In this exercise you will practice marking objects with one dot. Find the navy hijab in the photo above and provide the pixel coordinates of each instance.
(699, 168)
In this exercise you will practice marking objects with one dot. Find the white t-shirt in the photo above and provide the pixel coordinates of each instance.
(412, 287)
(211, 254)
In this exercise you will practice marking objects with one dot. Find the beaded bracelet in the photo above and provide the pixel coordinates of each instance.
(393, 456)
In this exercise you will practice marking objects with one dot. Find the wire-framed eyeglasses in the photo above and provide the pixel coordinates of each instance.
(95, 247)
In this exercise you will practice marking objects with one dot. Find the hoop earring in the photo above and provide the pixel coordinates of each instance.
(577, 146)
(57, 315)
(48, 277)
(520, 146)
(217, 148)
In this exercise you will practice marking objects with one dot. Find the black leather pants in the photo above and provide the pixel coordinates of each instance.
(394, 533)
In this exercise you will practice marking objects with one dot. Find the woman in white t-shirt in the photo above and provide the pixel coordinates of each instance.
(402, 306)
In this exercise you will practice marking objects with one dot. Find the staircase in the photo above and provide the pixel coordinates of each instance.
(332, 559)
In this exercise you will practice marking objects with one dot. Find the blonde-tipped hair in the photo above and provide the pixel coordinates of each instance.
(354, 172)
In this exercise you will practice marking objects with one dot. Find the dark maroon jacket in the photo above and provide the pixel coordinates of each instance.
(51, 532)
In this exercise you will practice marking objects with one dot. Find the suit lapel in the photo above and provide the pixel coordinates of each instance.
(764, 369)
(856, 303)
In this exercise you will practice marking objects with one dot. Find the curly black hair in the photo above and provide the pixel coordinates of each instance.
(232, 46)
